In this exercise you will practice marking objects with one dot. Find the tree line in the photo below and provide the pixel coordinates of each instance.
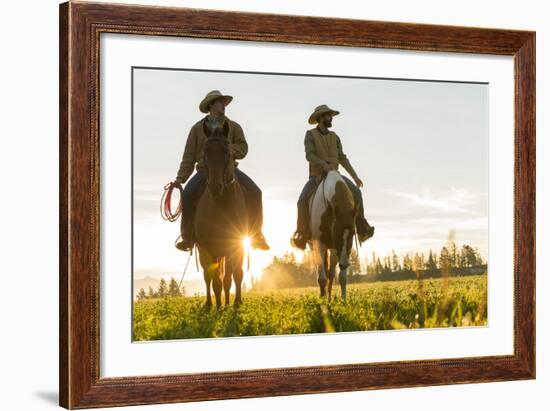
(288, 272)
(450, 258)
(164, 289)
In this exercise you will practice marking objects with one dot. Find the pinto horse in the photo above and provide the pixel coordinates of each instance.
(332, 222)
(221, 220)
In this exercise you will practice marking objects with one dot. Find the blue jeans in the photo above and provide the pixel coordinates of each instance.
(195, 186)
(357, 195)
(307, 191)
(253, 195)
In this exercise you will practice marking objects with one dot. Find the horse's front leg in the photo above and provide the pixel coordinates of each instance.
(217, 274)
(331, 262)
(237, 271)
(320, 255)
(208, 282)
(207, 274)
(322, 274)
(227, 281)
(342, 279)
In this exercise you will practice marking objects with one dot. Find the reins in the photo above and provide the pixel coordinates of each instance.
(324, 195)
(187, 263)
(168, 215)
(185, 269)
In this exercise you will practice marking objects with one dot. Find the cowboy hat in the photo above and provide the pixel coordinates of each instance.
(213, 95)
(319, 110)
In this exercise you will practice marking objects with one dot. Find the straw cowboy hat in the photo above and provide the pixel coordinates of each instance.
(319, 110)
(213, 95)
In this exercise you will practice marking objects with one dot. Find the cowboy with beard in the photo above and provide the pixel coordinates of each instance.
(324, 153)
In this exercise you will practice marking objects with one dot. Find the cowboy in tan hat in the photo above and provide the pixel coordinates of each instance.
(214, 104)
(324, 153)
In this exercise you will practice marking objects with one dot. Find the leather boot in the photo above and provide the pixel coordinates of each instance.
(302, 234)
(187, 238)
(255, 220)
(364, 229)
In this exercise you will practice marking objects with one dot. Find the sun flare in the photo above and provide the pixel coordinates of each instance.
(246, 244)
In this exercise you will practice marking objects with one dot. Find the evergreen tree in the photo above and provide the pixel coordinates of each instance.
(387, 265)
(371, 265)
(460, 259)
(453, 254)
(478, 259)
(379, 266)
(422, 260)
(408, 263)
(141, 295)
(469, 256)
(418, 263)
(445, 261)
(163, 288)
(173, 289)
(395, 264)
(431, 263)
(354, 263)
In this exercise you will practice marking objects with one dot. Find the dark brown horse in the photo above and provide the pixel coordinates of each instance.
(221, 219)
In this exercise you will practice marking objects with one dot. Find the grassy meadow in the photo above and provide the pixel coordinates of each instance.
(384, 305)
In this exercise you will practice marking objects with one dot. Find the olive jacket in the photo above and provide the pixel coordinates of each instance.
(324, 149)
(194, 147)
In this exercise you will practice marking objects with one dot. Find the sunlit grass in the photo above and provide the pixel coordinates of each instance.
(454, 302)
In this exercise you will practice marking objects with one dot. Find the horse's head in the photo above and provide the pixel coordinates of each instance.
(218, 159)
(343, 228)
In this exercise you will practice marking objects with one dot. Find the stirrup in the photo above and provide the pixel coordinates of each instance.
(185, 244)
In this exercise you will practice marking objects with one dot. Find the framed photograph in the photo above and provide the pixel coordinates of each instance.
(260, 205)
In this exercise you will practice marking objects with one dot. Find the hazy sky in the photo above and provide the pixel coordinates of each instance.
(420, 148)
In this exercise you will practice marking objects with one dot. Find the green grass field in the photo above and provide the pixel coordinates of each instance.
(369, 306)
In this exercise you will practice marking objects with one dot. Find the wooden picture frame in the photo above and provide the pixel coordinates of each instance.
(80, 27)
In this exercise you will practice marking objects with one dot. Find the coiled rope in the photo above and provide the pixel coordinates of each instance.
(166, 202)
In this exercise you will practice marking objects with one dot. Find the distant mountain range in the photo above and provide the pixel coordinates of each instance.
(191, 287)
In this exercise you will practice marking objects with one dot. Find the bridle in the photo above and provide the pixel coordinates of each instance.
(228, 178)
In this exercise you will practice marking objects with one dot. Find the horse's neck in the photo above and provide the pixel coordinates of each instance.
(327, 187)
(232, 194)
(321, 198)
(233, 191)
